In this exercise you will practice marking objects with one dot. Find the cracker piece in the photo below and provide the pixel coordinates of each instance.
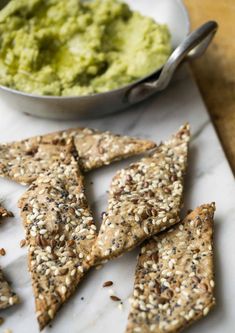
(96, 149)
(144, 199)
(60, 233)
(5, 213)
(174, 279)
(7, 296)
(23, 161)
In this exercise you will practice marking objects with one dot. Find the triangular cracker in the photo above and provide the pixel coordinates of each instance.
(22, 161)
(60, 233)
(144, 199)
(174, 278)
(7, 296)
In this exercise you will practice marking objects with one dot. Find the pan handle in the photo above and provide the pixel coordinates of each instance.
(193, 46)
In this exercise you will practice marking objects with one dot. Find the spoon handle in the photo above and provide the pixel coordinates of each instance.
(193, 46)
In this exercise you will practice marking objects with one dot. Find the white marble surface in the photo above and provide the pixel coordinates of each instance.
(209, 179)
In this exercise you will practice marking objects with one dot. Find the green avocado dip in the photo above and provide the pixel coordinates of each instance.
(72, 47)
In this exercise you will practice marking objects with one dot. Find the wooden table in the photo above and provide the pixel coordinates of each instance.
(215, 71)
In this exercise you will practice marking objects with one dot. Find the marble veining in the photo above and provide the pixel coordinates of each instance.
(209, 179)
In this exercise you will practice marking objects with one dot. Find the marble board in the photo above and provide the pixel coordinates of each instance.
(209, 179)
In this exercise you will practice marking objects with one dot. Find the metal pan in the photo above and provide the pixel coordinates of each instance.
(186, 47)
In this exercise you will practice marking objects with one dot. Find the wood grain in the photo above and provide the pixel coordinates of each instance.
(215, 71)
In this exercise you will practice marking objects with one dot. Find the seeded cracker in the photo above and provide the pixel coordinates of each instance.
(144, 199)
(174, 279)
(60, 233)
(23, 161)
(7, 296)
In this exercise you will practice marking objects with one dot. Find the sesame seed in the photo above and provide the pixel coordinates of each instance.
(80, 268)
(63, 290)
(43, 231)
(50, 314)
(205, 311)
(62, 238)
(67, 281)
(11, 300)
(212, 283)
(90, 236)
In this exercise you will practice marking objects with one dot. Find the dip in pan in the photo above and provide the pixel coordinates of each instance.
(73, 48)
(97, 57)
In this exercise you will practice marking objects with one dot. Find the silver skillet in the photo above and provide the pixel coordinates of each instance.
(186, 47)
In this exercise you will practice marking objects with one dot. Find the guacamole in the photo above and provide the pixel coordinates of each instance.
(72, 47)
